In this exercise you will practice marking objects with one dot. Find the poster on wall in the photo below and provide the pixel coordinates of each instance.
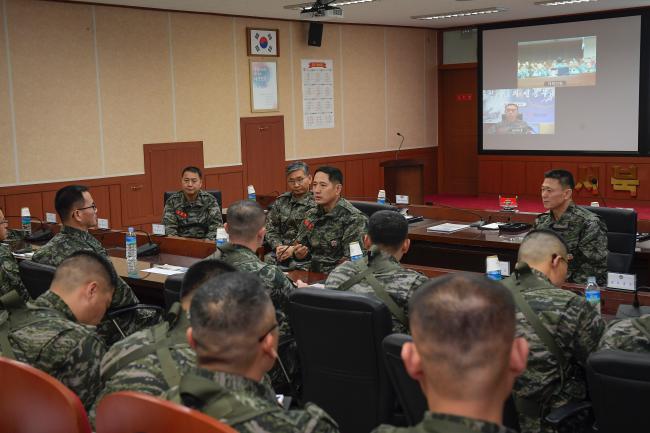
(317, 94)
(264, 86)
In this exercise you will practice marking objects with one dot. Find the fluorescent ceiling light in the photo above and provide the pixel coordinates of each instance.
(561, 2)
(307, 6)
(456, 14)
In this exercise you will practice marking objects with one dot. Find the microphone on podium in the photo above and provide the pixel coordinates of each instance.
(400, 144)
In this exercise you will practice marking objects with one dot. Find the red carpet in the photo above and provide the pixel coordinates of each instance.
(492, 203)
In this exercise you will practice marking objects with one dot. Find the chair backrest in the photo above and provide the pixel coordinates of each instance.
(339, 336)
(172, 289)
(36, 277)
(369, 207)
(619, 386)
(134, 412)
(215, 192)
(621, 236)
(408, 389)
(32, 401)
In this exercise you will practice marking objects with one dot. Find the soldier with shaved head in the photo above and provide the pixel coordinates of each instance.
(57, 332)
(561, 327)
(464, 354)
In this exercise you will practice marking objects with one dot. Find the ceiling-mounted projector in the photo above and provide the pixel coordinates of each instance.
(322, 12)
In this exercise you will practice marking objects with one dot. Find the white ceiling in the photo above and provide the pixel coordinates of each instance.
(389, 12)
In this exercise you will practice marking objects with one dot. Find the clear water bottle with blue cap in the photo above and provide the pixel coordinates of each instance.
(381, 197)
(355, 251)
(492, 268)
(592, 293)
(131, 253)
(251, 193)
(26, 221)
(222, 236)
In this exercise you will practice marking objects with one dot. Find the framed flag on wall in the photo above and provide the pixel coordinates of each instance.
(263, 42)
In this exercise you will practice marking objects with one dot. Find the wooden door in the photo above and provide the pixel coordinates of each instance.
(262, 149)
(457, 151)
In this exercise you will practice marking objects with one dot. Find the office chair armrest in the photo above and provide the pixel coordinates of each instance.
(580, 410)
(116, 312)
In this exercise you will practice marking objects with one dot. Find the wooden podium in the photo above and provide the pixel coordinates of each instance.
(404, 177)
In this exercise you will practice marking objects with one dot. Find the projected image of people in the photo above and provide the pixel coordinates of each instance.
(519, 111)
(557, 62)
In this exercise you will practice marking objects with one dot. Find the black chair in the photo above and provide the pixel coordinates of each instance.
(339, 337)
(369, 207)
(215, 192)
(408, 389)
(619, 386)
(36, 277)
(172, 289)
(621, 236)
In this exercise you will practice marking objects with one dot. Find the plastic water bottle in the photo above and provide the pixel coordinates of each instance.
(381, 197)
(251, 193)
(131, 253)
(492, 268)
(592, 293)
(222, 237)
(355, 251)
(26, 221)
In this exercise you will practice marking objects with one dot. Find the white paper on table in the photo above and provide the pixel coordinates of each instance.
(166, 270)
(447, 228)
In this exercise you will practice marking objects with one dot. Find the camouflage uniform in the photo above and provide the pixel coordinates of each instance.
(400, 283)
(278, 287)
(145, 374)
(50, 339)
(576, 328)
(586, 237)
(192, 219)
(285, 219)
(9, 274)
(329, 239)
(240, 398)
(444, 423)
(70, 240)
(630, 335)
(516, 127)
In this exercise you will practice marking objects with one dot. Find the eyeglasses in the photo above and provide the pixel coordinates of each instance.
(296, 181)
(92, 206)
(267, 332)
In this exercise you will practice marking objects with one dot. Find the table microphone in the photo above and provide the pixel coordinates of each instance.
(148, 249)
(400, 144)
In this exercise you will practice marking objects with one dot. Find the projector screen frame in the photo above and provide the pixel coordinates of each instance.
(644, 81)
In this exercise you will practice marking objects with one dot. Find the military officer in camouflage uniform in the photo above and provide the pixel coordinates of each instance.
(388, 235)
(464, 354)
(56, 333)
(192, 212)
(584, 233)
(332, 226)
(152, 360)
(561, 327)
(630, 335)
(235, 336)
(511, 123)
(78, 212)
(287, 214)
(9, 274)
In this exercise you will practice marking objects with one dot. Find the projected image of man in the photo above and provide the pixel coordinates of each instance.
(512, 123)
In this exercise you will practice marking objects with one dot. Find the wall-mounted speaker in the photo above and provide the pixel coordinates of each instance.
(315, 34)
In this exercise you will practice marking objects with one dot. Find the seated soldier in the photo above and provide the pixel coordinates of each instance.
(245, 228)
(332, 226)
(561, 327)
(78, 212)
(630, 335)
(235, 336)
(464, 354)
(151, 360)
(56, 333)
(9, 273)
(192, 212)
(287, 214)
(380, 273)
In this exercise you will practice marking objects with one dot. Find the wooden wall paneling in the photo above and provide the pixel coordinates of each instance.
(14, 202)
(354, 180)
(232, 187)
(137, 201)
(513, 177)
(373, 177)
(535, 176)
(101, 196)
(164, 162)
(48, 203)
(429, 173)
(489, 175)
(2, 203)
(585, 172)
(115, 200)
